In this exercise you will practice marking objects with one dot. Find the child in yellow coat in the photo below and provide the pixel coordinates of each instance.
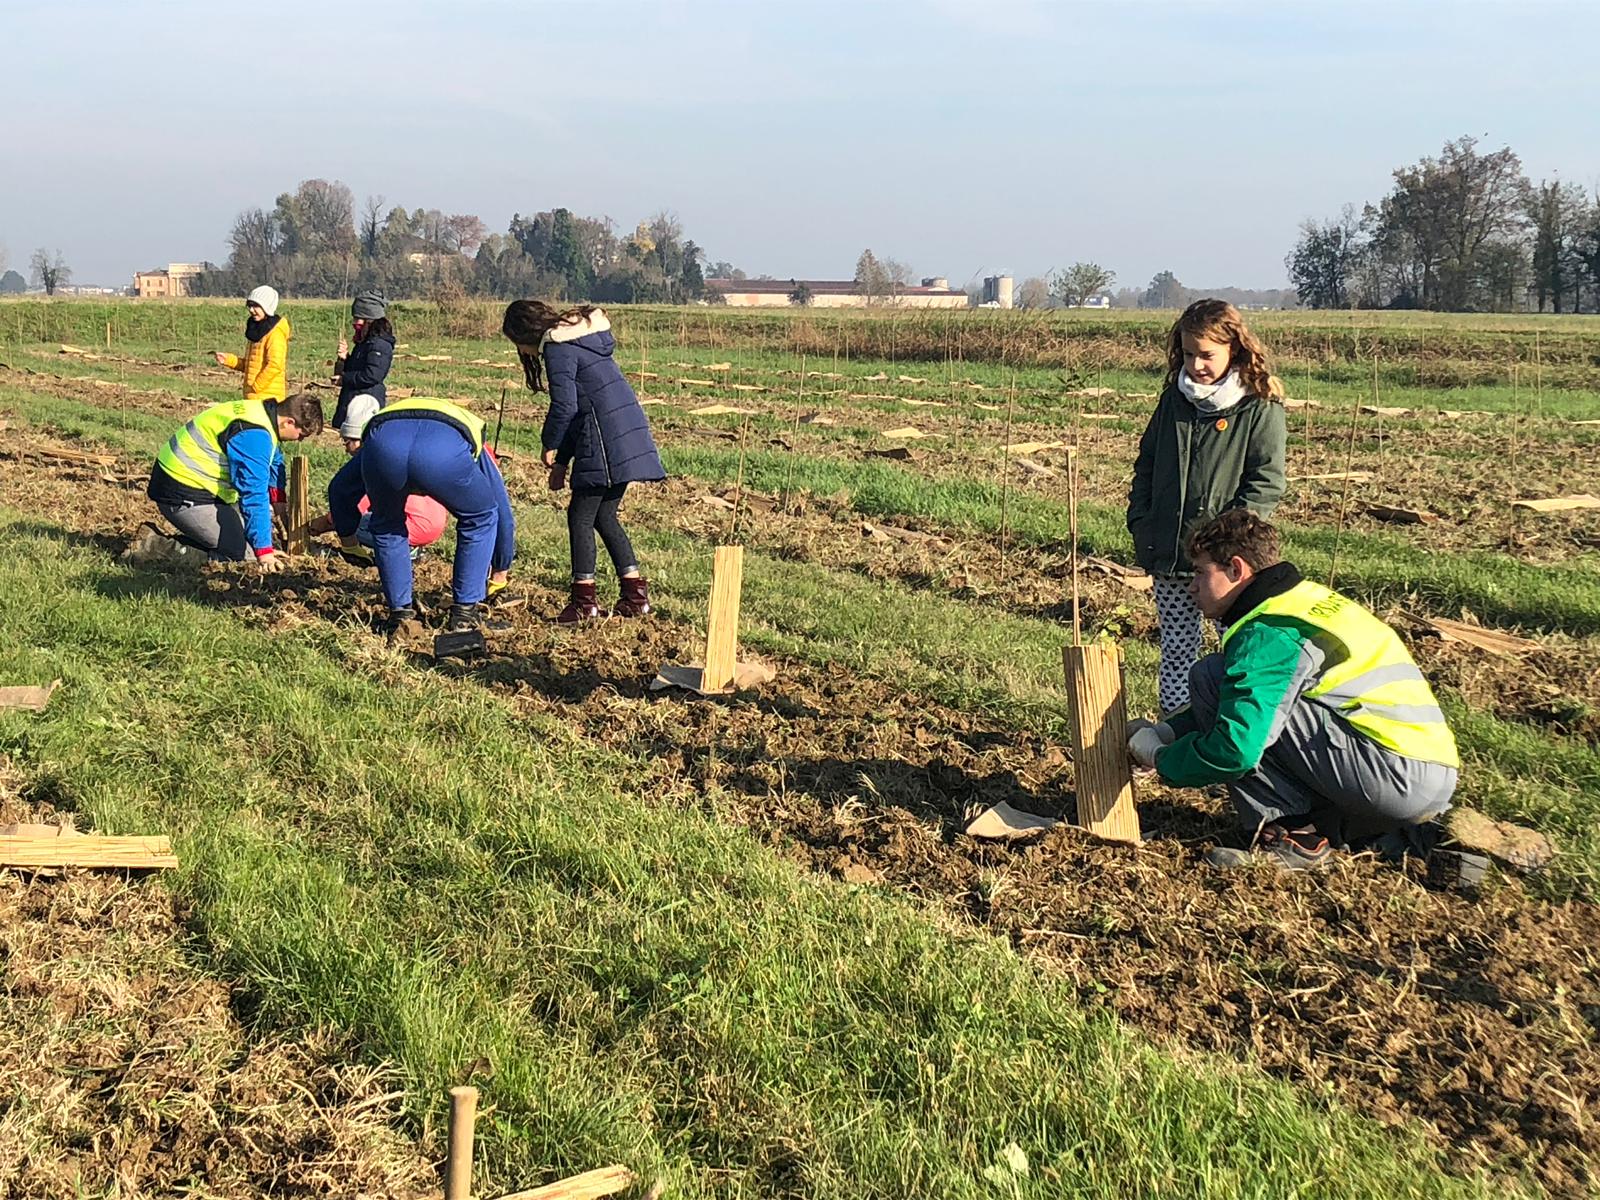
(266, 359)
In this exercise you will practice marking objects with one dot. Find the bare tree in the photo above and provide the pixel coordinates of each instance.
(49, 273)
(1033, 292)
(371, 226)
(464, 232)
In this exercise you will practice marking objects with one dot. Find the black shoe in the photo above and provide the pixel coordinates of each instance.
(464, 618)
(400, 620)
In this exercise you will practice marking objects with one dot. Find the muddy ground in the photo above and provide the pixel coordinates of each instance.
(1475, 1017)
(128, 1072)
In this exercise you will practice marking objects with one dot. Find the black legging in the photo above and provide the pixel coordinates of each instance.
(595, 510)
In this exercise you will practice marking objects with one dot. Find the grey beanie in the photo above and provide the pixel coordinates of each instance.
(368, 306)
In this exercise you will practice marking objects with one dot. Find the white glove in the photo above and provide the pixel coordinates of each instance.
(1148, 742)
(270, 563)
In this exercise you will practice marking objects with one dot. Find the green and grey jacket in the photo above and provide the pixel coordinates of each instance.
(1192, 466)
(1290, 641)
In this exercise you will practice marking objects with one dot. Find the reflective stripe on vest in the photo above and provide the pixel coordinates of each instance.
(194, 455)
(471, 427)
(1368, 679)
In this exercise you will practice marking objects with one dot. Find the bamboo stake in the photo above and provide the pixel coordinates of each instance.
(1005, 473)
(1349, 459)
(458, 1162)
(1072, 526)
(794, 435)
(738, 486)
(1538, 375)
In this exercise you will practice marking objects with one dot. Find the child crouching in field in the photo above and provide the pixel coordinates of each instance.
(1216, 442)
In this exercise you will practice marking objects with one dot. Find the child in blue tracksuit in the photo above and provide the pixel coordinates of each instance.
(430, 448)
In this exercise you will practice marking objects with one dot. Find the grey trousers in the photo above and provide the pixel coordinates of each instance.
(1319, 767)
(214, 527)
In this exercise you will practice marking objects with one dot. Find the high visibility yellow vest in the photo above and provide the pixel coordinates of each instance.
(194, 456)
(1369, 679)
(471, 427)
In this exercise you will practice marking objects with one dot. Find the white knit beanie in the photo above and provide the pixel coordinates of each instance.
(266, 297)
(357, 413)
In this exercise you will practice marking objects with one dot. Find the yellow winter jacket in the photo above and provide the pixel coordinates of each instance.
(265, 364)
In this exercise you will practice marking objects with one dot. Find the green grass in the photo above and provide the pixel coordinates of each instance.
(410, 860)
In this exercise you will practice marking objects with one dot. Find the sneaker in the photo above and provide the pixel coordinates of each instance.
(1287, 849)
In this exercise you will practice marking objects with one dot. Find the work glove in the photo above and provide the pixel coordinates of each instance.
(1148, 742)
(269, 561)
(558, 478)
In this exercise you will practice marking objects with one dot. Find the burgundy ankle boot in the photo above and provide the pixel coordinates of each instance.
(583, 607)
(635, 598)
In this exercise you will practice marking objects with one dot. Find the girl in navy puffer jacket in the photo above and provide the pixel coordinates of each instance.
(596, 437)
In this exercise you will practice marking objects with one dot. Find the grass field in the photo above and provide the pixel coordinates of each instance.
(742, 945)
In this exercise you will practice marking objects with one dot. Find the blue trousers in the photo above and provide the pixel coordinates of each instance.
(422, 456)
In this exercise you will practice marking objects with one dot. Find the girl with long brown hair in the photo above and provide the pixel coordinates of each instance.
(595, 432)
(1216, 442)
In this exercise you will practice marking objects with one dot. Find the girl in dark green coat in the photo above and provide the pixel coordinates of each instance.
(1216, 442)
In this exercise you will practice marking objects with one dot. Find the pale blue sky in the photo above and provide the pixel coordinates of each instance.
(959, 137)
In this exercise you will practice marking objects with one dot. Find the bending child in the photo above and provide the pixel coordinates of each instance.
(596, 436)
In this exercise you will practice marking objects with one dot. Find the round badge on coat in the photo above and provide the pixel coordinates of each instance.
(1222, 423)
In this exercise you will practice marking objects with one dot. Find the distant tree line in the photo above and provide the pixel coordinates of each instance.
(1466, 231)
(311, 243)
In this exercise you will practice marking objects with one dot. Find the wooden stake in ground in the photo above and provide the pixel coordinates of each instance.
(299, 514)
(1102, 775)
(722, 619)
(458, 1163)
(1005, 474)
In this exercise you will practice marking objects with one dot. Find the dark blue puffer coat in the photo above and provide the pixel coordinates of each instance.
(595, 424)
(365, 369)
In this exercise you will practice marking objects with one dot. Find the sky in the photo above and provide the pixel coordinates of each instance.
(961, 137)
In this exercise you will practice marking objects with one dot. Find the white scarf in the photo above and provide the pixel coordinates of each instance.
(1212, 397)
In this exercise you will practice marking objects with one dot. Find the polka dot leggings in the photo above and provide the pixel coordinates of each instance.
(1182, 637)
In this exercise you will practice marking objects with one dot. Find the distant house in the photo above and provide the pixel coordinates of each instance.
(832, 293)
(176, 280)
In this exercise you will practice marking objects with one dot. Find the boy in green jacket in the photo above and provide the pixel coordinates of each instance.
(1313, 713)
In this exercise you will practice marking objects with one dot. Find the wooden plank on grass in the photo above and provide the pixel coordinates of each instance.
(1352, 476)
(591, 1185)
(62, 454)
(1492, 640)
(1102, 774)
(33, 699)
(1558, 503)
(722, 618)
(87, 850)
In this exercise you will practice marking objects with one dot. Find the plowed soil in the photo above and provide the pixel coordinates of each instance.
(1475, 1017)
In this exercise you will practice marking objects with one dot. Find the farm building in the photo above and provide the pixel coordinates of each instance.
(832, 293)
(175, 280)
